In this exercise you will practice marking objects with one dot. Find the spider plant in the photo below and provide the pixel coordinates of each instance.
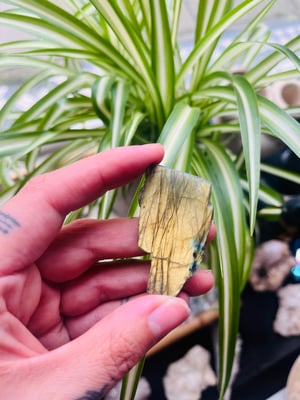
(115, 73)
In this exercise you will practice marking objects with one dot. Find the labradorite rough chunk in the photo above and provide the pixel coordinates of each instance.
(175, 218)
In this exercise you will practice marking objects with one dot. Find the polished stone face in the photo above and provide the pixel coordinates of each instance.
(175, 218)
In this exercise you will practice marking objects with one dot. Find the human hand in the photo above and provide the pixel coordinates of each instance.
(65, 332)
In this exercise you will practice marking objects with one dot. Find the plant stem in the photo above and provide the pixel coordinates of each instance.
(131, 380)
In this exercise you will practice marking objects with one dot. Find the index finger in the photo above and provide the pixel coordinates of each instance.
(35, 215)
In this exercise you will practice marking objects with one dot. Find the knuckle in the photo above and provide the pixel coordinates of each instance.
(123, 354)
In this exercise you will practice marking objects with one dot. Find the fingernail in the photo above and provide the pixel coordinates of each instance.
(168, 316)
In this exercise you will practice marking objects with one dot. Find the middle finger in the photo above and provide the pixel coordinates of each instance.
(104, 282)
(83, 242)
(111, 281)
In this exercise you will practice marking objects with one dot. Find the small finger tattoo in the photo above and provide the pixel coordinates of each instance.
(7, 223)
(94, 394)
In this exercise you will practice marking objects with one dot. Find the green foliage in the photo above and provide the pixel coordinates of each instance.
(121, 79)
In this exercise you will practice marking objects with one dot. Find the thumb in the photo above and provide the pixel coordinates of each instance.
(89, 366)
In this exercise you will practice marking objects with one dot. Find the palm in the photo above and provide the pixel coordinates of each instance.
(46, 322)
(66, 291)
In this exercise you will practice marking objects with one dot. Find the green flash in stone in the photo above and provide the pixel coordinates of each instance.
(175, 218)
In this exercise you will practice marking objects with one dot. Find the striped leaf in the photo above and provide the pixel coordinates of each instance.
(162, 57)
(261, 69)
(208, 15)
(265, 194)
(212, 162)
(281, 173)
(204, 43)
(101, 97)
(272, 116)
(134, 46)
(179, 126)
(249, 119)
(70, 85)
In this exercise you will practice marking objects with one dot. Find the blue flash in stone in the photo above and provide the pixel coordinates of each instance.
(198, 252)
(295, 271)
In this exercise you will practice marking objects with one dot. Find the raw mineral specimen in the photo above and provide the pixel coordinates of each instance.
(175, 218)
(271, 264)
(188, 377)
(287, 321)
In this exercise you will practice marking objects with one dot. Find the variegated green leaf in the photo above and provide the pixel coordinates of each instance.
(261, 69)
(279, 122)
(205, 42)
(162, 54)
(177, 129)
(78, 82)
(248, 112)
(120, 94)
(134, 46)
(265, 194)
(117, 94)
(208, 15)
(212, 162)
(281, 173)
(270, 213)
(101, 97)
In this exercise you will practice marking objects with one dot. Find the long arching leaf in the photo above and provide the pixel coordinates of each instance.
(212, 162)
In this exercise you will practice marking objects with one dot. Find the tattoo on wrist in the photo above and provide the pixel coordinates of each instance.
(7, 223)
(94, 394)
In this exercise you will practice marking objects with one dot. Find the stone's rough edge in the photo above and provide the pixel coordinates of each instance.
(149, 171)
